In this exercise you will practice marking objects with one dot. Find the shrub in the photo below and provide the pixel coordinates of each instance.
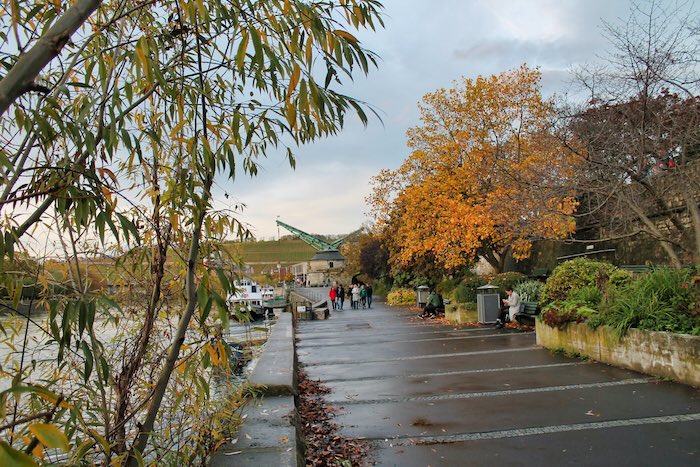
(381, 287)
(447, 286)
(589, 295)
(661, 300)
(581, 272)
(401, 297)
(559, 313)
(529, 291)
(465, 292)
(507, 280)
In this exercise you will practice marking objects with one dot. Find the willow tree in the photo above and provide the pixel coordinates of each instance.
(486, 176)
(117, 120)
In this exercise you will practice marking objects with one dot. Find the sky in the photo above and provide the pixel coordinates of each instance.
(425, 45)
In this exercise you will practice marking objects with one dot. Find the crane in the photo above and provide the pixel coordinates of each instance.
(314, 241)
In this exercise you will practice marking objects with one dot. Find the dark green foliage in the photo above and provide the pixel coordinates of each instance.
(465, 292)
(662, 300)
(381, 287)
(447, 286)
(507, 280)
(588, 295)
(572, 275)
(374, 257)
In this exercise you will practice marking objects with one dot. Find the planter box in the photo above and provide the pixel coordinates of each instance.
(458, 315)
(663, 354)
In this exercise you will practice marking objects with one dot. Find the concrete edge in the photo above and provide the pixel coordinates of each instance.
(275, 372)
(271, 432)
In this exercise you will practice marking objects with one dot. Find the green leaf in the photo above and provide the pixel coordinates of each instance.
(222, 307)
(12, 457)
(82, 450)
(50, 436)
(89, 360)
(225, 283)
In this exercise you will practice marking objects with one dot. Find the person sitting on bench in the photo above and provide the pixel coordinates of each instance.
(511, 305)
(430, 309)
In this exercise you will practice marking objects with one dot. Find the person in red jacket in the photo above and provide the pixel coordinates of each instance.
(333, 294)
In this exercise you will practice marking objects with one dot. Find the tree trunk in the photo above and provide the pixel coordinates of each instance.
(21, 76)
(694, 212)
(652, 229)
(496, 259)
(178, 339)
(124, 382)
(490, 257)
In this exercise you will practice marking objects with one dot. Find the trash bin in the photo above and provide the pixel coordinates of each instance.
(422, 293)
(488, 303)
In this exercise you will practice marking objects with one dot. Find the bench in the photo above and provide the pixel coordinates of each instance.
(636, 268)
(440, 311)
(527, 314)
(539, 273)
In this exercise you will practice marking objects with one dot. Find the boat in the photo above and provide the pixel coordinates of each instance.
(250, 297)
(248, 292)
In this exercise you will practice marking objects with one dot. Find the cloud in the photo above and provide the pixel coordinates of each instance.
(536, 52)
(324, 199)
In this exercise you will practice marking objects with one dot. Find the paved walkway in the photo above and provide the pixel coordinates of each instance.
(429, 394)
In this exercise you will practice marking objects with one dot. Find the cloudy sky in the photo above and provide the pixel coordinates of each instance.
(426, 45)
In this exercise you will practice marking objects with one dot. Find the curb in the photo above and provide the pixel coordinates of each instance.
(269, 435)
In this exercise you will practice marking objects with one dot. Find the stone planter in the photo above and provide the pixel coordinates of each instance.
(663, 354)
(457, 315)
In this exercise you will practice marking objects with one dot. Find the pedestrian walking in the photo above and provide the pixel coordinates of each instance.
(369, 295)
(355, 297)
(340, 296)
(333, 294)
(363, 296)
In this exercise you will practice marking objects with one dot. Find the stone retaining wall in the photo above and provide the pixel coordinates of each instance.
(663, 354)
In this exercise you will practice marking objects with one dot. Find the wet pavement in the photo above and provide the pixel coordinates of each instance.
(431, 394)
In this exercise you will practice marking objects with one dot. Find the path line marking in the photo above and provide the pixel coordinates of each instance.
(408, 341)
(544, 430)
(324, 334)
(459, 372)
(421, 357)
(507, 392)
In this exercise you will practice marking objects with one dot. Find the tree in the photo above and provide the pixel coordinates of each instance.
(486, 176)
(115, 137)
(365, 253)
(639, 136)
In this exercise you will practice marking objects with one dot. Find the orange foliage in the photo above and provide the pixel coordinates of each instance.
(485, 172)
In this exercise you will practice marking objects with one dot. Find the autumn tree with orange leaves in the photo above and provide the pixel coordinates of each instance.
(486, 176)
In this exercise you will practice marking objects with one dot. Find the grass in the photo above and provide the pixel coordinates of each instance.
(285, 251)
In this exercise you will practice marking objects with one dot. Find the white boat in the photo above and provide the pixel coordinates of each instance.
(248, 292)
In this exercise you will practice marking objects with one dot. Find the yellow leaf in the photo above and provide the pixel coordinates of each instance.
(345, 35)
(38, 451)
(294, 80)
(177, 128)
(50, 435)
(213, 128)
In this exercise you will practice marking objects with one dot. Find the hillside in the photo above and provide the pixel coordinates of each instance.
(285, 251)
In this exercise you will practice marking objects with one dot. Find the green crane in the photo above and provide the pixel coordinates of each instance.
(315, 242)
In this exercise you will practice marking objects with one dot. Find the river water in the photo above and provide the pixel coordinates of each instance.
(41, 351)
